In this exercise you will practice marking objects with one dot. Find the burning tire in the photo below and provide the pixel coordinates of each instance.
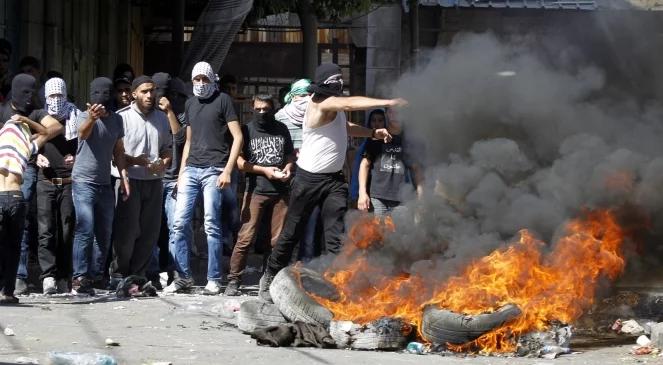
(442, 326)
(256, 314)
(292, 298)
(382, 334)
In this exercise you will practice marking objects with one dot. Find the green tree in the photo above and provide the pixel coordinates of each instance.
(309, 12)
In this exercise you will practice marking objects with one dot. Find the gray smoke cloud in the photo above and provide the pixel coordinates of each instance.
(512, 140)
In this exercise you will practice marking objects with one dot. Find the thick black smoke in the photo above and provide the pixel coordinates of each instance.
(511, 140)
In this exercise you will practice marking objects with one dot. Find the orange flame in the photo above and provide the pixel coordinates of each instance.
(557, 286)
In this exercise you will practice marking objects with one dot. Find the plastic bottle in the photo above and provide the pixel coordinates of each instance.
(415, 348)
(77, 358)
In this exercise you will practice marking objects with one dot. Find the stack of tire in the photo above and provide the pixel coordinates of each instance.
(291, 301)
(290, 292)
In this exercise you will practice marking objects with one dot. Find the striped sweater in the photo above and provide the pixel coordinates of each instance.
(16, 147)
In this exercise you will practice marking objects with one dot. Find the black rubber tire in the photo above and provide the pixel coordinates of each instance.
(441, 326)
(293, 301)
(257, 314)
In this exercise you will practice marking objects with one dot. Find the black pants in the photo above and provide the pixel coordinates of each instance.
(330, 191)
(136, 228)
(56, 222)
(12, 221)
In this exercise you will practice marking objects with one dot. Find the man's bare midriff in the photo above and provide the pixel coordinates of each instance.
(10, 181)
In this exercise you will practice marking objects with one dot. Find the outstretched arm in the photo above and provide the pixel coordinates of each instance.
(352, 103)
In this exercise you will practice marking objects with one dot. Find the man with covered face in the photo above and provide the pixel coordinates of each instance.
(147, 144)
(23, 103)
(100, 135)
(55, 208)
(267, 159)
(319, 179)
(213, 143)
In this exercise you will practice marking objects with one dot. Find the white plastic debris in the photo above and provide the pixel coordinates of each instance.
(111, 342)
(9, 332)
(77, 358)
(631, 327)
(643, 341)
(26, 360)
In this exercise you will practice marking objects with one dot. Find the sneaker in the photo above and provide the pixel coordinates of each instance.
(265, 282)
(49, 286)
(63, 286)
(21, 287)
(82, 285)
(8, 299)
(179, 286)
(213, 287)
(232, 290)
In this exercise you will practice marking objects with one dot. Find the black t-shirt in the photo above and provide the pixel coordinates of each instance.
(179, 139)
(388, 168)
(268, 145)
(210, 137)
(55, 150)
(6, 112)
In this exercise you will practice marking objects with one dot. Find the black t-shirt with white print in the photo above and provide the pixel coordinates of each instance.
(267, 144)
(388, 169)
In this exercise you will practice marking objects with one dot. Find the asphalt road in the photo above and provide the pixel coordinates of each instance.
(196, 329)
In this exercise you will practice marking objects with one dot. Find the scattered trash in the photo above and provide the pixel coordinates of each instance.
(382, 334)
(644, 350)
(631, 327)
(657, 335)
(26, 360)
(553, 351)
(548, 344)
(643, 341)
(9, 332)
(111, 342)
(617, 326)
(78, 358)
(228, 309)
(416, 348)
(120, 307)
(135, 286)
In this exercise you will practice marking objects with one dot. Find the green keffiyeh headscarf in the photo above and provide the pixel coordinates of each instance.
(299, 87)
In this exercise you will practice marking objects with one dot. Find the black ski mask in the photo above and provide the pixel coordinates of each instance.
(263, 119)
(23, 90)
(161, 84)
(101, 90)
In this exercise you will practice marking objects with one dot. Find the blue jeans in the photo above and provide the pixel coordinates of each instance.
(29, 188)
(94, 205)
(195, 180)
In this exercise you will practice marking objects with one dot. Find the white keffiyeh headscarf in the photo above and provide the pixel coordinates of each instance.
(58, 107)
(204, 91)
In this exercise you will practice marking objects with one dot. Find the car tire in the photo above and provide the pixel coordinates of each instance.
(441, 326)
(255, 314)
(294, 302)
